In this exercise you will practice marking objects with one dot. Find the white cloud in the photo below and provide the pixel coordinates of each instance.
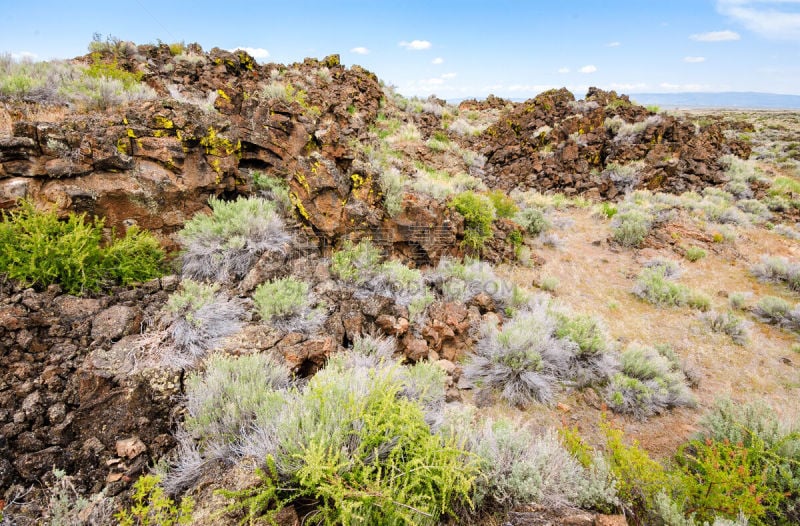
(415, 45)
(449, 75)
(24, 55)
(716, 36)
(775, 20)
(591, 68)
(255, 52)
(563, 70)
(694, 60)
(435, 81)
(437, 60)
(360, 50)
(614, 44)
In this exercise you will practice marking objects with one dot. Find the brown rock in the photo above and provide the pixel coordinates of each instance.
(414, 348)
(610, 520)
(114, 322)
(130, 447)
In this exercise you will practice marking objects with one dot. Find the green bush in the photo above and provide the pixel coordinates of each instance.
(649, 382)
(226, 244)
(478, 213)
(504, 206)
(586, 331)
(133, 258)
(743, 460)
(38, 249)
(695, 253)
(351, 447)
(152, 507)
(608, 210)
(655, 285)
(533, 221)
(639, 478)
(724, 478)
(355, 262)
(281, 297)
(274, 189)
(631, 227)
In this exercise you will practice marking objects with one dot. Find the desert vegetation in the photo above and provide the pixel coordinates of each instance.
(370, 314)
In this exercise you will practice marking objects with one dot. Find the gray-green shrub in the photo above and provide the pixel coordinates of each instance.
(226, 244)
(728, 323)
(631, 227)
(648, 383)
(655, 286)
(778, 311)
(200, 317)
(779, 270)
(522, 468)
(532, 220)
(351, 444)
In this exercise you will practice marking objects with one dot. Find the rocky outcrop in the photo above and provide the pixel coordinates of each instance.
(156, 164)
(555, 143)
(61, 404)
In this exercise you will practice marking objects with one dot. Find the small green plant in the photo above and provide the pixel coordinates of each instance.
(281, 297)
(694, 254)
(609, 210)
(655, 285)
(504, 206)
(649, 382)
(152, 507)
(532, 220)
(275, 189)
(38, 249)
(586, 331)
(728, 323)
(478, 213)
(639, 478)
(549, 283)
(738, 300)
(630, 228)
(355, 262)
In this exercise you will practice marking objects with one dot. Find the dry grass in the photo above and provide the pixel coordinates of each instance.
(597, 279)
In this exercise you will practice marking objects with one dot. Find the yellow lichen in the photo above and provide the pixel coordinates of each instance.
(301, 178)
(122, 145)
(163, 122)
(298, 204)
(217, 145)
(224, 95)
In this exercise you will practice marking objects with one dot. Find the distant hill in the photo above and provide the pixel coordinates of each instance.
(730, 99)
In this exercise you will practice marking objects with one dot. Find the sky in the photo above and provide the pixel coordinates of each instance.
(457, 49)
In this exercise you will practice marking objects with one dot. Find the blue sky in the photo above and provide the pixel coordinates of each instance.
(458, 49)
